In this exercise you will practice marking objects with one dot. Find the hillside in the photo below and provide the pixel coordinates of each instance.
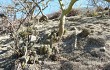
(92, 52)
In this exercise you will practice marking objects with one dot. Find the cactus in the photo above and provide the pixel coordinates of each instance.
(29, 30)
(32, 58)
(45, 50)
(24, 34)
(65, 31)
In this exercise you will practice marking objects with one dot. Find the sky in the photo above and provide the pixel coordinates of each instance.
(53, 6)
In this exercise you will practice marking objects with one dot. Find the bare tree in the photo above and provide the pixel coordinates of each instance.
(65, 11)
(101, 5)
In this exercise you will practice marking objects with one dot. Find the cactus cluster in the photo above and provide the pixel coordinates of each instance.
(32, 57)
(45, 49)
(25, 33)
(49, 52)
(91, 14)
(54, 36)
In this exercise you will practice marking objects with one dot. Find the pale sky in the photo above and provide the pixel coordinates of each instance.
(53, 6)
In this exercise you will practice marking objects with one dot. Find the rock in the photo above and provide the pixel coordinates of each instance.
(1, 68)
(84, 33)
(106, 67)
(73, 18)
(103, 49)
(33, 38)
(54, 57)
(71, 66)
(4, 37)
(50, 65)
(89, 25)
(95, 53)
(96, 41)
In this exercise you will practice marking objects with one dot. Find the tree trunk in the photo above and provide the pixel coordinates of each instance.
(62, 18)
(108, 10)
(61, 26)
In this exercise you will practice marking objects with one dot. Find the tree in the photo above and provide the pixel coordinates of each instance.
(98, 3)
(64, 13)
(101, 5)
(31, 6)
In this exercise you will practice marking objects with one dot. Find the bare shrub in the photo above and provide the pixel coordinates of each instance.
(54, 15)
(43, 18)
(73, 12)
(99, 9)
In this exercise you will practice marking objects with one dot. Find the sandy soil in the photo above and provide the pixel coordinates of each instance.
(92, 52)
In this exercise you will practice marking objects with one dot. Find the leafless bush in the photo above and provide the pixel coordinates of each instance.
(54, 15)
(73, 12)
(99, 9)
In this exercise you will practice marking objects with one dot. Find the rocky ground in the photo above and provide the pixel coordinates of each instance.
(92, 52)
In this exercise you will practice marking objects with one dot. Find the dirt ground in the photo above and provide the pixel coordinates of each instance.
(92, 52)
